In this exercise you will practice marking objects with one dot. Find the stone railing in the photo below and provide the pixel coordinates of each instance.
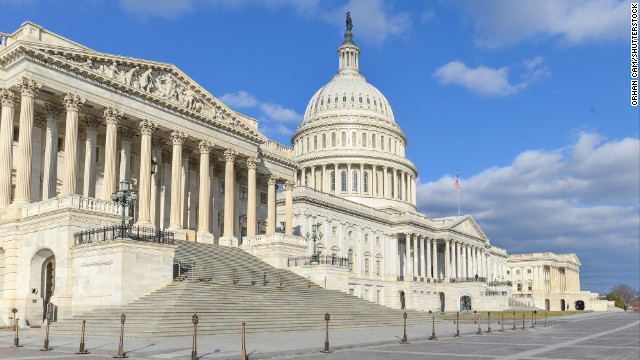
(275, 238)
(71, 202)
(277, 148)
(500, 283)
(468, 279)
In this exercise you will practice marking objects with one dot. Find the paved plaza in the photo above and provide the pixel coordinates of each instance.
(584, 336)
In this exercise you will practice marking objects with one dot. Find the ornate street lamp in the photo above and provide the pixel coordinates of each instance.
(315, 235)
(124, 197)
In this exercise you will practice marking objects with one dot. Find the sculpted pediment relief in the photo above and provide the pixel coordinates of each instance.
(470, 227)
(161, 81)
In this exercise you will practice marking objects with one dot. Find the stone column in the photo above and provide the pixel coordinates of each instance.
(39, 122)
(361, 184)
(252, 164)
(229, 192)
(156, 180)
(455, 269)
(28, 89)
(89, 183)
(288, 217)
(184, 186)
(313, 177)
(463, 258)
(271, 204)
(385, 183)
(49, 176)
(429, 272)
(9, 101)
(374, 182)
(337, 180)
(349, 179)
(146, 131)
(125, 153)
(407, 258)
(177, 139)
(324, 179)
(396, 186)
(436, 273)
(422, 268)
(414, 239)
(447, 258)
(111, 117)
(404, 186)
(203, 234)
(72, 103)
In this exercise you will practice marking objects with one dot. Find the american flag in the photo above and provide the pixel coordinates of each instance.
(457, 183)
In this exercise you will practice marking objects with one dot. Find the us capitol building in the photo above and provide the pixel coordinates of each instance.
(339, 208)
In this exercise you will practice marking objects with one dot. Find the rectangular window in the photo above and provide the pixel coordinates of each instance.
(324, 141)
(366, 238)
(244, 193)
(529, 287)
(366, 266)
(519, 287)
(378, 240)
(334, 231)
(315, 142)
(263, 198)
(517, 272)
(333, 139)
(528, 271)
(378, 267)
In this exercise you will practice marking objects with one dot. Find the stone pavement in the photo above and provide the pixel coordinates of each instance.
(582, 336)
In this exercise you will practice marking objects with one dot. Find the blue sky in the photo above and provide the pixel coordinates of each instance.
(529, 100)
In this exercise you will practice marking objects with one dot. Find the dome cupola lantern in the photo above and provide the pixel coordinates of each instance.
(348, 52)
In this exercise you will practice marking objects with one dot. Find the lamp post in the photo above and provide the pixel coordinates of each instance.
(124, 197)
(315, 236)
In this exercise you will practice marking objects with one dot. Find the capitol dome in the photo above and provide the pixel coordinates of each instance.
(349, 144)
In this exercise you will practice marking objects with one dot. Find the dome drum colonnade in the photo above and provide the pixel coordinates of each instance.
(150, 147)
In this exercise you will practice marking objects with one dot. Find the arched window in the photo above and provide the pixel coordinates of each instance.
(353, 139)
(344, 139)
(343, 179)
(324, 141)
(373, 141)
(350, 258)
(365, 182)
(333, 139)
(382, 142)
(315, 142)
(307, 143)
(364, 139)
(333, 181)
(354, 185)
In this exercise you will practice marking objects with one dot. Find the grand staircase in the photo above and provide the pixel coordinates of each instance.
(225, 286)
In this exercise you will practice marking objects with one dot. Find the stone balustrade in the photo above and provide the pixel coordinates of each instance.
(277, 147)
(71, 202)
(274, 238)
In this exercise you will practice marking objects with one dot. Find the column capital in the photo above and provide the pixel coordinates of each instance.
(157, 142)
(288, 185)
(147, 127)
(73, 102)
(178, 137)
(39, 120)
(230, 155)
(112, 115)
(28, 87)
(273, 180)
(8, 97)
(205, 146)
(52, 110)
(91, 122)
(126, 133)
(252, 162)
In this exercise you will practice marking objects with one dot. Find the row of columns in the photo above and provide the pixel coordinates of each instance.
(461, 260)
(149, 147)
(395, 183)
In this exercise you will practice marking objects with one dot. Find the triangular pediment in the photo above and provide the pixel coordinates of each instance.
(466, 225)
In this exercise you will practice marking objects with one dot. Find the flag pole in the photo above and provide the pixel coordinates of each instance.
(457, 185)
(458, 200)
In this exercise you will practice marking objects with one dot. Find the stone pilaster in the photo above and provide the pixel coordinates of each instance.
(271, 205)
(9, 101)
(288, 217)
(146, 132)
(205, 185)
(427, 244)
(28, 89)
(407, 258)
(111, 117)
(72, 103)
(229, 196)
(447, 257)
(50, 176)
(89, 183)
(177, 139)
(252, 164)
(127, 136)
(436, 273)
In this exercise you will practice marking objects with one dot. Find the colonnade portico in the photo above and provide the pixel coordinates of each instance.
(442, 260)
(102, 181)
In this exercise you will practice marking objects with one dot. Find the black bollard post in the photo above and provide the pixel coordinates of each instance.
(194, 348)
(433, 327)
(457, 325)
(82, 351)
(404, 336)
(46, 336)
(502, 324)
(535, 317)
(121, 353)
(327, 317)
(243, 351)
(514, 320)
(16, 338)
(475, 316)
(479, 332)
(545, 319)
(532, 324)
(522, 321)
(488, 322)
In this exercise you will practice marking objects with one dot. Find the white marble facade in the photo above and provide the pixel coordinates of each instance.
(75, 122)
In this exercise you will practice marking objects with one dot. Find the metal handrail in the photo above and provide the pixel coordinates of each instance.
(127, 232)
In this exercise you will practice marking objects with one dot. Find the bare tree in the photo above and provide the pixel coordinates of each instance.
(626, 293)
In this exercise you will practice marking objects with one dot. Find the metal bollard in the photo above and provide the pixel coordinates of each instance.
(121, 353)
(514, 320)
(502, 324)
(475, 315)
(46, 336)
(535, 317)
(479, 332)
(194, 348)
(545, 319)
(532, 324)
(457, 325)
(233, 277)
(243, 351)
(82, 351)
(253, 277)
(433, 327)
(404, 336)
(16, 338)
(327, 317)
(488, 322)
(522, 321)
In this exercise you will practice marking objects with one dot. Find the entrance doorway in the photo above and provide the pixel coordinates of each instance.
(465, 303)
(579, 305)
(563, 305)
(441, 302)
(43, 276)
(402, 300)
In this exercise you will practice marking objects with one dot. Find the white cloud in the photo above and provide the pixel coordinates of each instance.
(505, 22)
(584, 198)
(274, 119)
(488, 81)
(373, 20)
